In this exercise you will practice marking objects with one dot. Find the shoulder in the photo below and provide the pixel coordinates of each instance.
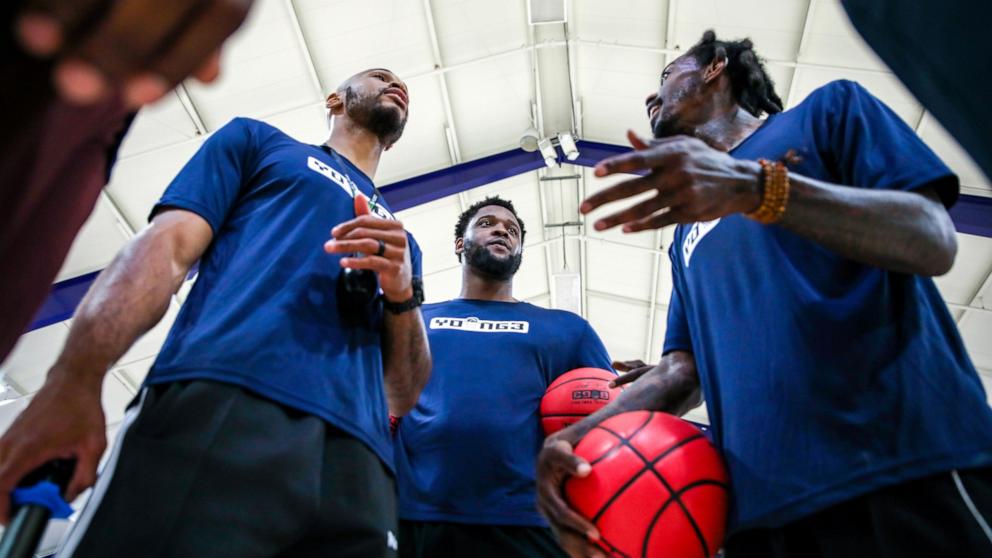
(836, 94)
(563, 318)
(250, 127)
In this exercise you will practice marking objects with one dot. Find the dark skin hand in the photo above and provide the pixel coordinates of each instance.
(142, 47)
(671, 386)
(405, 352)
(698, 121)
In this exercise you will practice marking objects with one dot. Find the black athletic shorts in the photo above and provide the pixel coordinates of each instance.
(436, 539)
(946, 515)
(205, 469)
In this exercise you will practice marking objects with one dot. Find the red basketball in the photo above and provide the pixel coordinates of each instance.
(575, 395)
(658, 487)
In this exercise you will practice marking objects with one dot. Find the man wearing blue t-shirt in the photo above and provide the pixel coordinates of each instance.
(838, 388)
(465, 454)
(262, 426)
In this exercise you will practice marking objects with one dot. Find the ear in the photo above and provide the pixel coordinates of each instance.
(714, 69)
(334, 103)
(459, 248)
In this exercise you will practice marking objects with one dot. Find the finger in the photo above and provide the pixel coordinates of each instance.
(79, 82)
(624, 379)
(17, 463)
(210, 69)
(627, 365)
(639, 161)
(365, 221)
(199, 39)
(132, 34)
(620, 191)
(576, 545)
(361, 205)
(636, 140)
(561, 514)
(377, 264)
(664, 199)
(45, 26)
(657, 221)
(393, 235)
(369, 246)
(39, 34)
(84, 474)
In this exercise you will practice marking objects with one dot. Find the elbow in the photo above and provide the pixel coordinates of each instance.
(943, 246)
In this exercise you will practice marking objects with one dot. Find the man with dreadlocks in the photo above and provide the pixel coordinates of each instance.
(803, 312)
(465, 454)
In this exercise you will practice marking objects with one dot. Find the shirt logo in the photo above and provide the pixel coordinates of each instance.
(336, 177)
(480, 326)
(391, 542)
(696, 233)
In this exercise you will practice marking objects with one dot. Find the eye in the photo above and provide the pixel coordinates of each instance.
(382, 77)
(665, 74)
(514, 231)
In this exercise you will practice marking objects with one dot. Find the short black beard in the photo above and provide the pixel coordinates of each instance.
(481, 259)
(386, 123)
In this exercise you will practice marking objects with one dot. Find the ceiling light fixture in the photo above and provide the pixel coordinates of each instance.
(568, 147)
(529, 140)
(548, 151)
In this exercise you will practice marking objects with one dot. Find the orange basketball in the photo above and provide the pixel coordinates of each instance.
(575, 395)
(658, 487)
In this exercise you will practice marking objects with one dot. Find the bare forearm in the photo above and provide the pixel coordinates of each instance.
(127, 299)
(406, 360)
(906, 232)
(671, 387)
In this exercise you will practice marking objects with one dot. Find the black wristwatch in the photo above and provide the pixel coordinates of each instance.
(414, 301)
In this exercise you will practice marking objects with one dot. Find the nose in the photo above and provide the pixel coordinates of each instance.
(651, 99)
(500, 230)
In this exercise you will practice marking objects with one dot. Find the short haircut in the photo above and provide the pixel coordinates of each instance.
(462, 225)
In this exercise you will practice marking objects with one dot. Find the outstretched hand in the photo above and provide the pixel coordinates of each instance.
(693, 182)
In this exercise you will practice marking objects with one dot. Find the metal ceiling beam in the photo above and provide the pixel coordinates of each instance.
(653, 312)
(800, 50)
(451, 133)
(190, 108)
(670, 15)
(301, 40)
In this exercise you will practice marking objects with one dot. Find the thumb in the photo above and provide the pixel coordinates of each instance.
(361, 205)
(636, 140)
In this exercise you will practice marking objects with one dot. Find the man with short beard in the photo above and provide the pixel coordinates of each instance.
(465, 454)
(261, 429)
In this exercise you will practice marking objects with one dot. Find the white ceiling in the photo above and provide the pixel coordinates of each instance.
(475, 68)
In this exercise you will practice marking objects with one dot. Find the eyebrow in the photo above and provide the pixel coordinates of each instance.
(482, 216)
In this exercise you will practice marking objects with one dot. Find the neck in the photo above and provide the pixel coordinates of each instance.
(358, 145)
(727, 127)
(479, 287)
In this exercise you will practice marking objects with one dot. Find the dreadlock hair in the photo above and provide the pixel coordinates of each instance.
(751, 85)
(467, 215)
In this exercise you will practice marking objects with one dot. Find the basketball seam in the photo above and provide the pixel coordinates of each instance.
(637, 475)
(573, 380)
(671, 493)
(661, 510)
(617, 448)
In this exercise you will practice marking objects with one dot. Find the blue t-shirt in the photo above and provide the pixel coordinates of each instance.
(467, 451)
(264, 313)
(824, 378)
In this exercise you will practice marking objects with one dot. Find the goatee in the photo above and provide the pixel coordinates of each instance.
(480, 258)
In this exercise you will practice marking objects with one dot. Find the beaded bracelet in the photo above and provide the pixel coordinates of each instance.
(775, 192)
